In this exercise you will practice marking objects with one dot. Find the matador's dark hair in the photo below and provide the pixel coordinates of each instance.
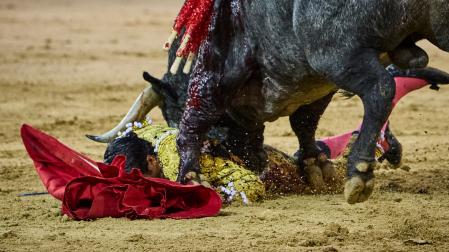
(133, 148)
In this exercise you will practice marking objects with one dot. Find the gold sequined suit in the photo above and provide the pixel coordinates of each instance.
(225, 175)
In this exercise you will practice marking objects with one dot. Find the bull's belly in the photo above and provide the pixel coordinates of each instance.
(268, 101)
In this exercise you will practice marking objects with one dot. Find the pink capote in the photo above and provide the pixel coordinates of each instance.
(90, 189)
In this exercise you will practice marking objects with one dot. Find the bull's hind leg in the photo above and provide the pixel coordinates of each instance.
(409, 55)
(318, 170)
(363, 75)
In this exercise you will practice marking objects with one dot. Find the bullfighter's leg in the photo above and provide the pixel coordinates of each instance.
(394, 152)
(361, 73)
(316, 167)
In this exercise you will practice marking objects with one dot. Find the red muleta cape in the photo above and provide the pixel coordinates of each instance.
(90, 190)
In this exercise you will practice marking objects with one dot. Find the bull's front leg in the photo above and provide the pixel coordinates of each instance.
(360, 72)
(203, 108)
(247, 143)
(317, 169)
(224, 62)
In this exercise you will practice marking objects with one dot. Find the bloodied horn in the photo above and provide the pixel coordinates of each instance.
(146, 101)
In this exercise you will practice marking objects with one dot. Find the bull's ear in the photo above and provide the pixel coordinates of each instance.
(160, 87)
(152, 80)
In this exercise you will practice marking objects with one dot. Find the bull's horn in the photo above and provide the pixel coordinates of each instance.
(146, 101)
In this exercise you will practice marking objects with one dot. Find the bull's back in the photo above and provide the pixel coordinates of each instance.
(285, 32)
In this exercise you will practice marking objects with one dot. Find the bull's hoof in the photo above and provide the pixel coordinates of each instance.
(314, 177)
(357, 190)
(256, 160)
(320, 173)
(193, 178)
(329, 173)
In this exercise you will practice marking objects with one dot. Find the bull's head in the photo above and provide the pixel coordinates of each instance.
(144, 103)
(169, 94)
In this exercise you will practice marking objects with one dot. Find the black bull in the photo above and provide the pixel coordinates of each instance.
(266, 59)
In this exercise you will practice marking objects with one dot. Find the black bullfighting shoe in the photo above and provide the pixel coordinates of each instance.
(393, 151)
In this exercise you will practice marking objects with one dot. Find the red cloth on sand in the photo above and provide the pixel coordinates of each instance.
(92, 190)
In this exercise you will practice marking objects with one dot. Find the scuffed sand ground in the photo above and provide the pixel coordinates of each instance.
(74, 67)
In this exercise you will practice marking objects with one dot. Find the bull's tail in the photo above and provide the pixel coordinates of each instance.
(432, 76)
